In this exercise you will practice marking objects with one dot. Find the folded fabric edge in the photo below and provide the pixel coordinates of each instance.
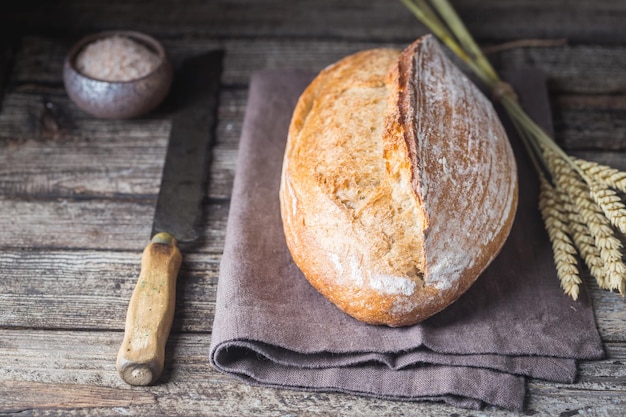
(440, 382)
(552, 369)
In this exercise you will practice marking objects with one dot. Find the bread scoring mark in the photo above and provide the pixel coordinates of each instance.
(465, 166)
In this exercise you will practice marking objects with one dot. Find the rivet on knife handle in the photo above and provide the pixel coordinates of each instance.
(150, 313)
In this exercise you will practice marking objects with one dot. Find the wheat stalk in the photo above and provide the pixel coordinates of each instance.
(578, 203)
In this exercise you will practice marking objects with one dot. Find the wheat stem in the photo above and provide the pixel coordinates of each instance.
(467, 41)
(423, 12)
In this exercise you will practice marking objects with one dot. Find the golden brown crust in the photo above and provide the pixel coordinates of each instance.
(398, 187)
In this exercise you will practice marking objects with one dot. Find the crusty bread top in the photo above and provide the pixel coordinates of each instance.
(398, 184)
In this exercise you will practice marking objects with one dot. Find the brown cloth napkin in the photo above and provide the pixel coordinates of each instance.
(272, 328)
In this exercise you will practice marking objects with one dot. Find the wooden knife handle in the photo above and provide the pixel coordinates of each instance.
(150, 313)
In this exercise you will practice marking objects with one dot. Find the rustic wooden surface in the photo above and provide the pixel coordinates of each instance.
(77, 194)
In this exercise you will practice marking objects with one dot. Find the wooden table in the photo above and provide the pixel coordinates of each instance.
(77, 193)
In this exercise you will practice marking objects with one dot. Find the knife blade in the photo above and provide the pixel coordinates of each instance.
(177, 218)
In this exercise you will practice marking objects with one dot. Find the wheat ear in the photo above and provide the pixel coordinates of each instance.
(568, 180)
(610, 203)
(583, 240)
(603, 174)
(562, 246)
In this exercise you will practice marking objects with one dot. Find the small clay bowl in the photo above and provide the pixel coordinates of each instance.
(118, 99)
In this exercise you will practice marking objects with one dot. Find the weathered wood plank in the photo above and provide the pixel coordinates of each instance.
(75, 223)
(94, 223)
(71, 289)
(118, 162)
(610, 312)
(578, 69)
(19, 396)
(230, 115)
(86, 156)
(84, 363)
(46, 113)
(570, 69)
(610, 372)
(591, 122)
(580, 21)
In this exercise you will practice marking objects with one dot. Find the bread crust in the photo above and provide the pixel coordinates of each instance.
(399, 185)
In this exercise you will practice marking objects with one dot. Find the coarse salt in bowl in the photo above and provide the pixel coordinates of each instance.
(116, 58)
(117, 74)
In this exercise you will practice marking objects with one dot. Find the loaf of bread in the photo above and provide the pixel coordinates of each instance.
(399, 185)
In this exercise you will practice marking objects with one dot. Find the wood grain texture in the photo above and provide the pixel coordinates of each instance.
(112, 224)
(90, 157)
(21, 396)
(69, 289)
(77, 194)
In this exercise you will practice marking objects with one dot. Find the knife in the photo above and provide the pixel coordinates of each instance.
(177, 217)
